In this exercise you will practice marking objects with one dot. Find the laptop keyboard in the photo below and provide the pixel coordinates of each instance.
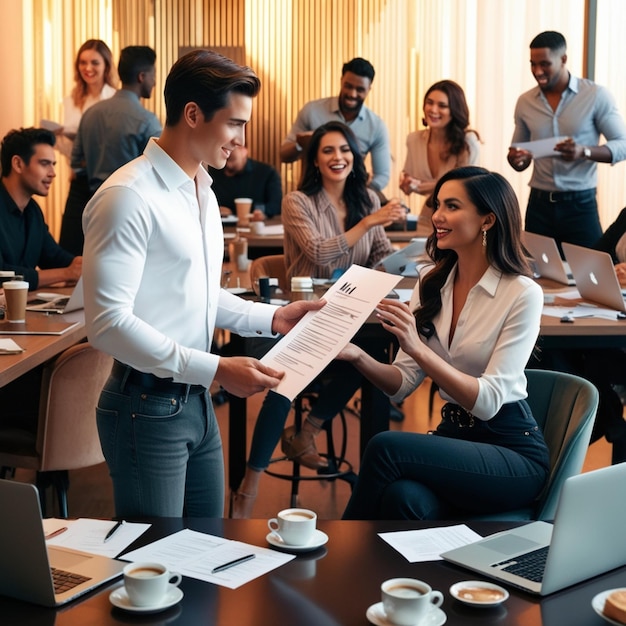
(64, 581)
(530, 565)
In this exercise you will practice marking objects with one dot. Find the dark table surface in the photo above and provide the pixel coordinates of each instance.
(331, 586)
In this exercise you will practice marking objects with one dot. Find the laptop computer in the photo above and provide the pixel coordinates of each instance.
(400, 260)
(585, 540)
(595, 276)
(27, 564)
(59, 303)
(547, 258)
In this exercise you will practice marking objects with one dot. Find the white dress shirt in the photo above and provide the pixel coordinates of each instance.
(493, 340)
(152, 268)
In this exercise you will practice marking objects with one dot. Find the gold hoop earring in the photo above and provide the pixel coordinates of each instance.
(484, 238)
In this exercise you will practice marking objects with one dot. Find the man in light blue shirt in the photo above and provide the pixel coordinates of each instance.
(357, 76)
(562, 202)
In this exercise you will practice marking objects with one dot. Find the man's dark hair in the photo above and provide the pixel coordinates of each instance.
(133, 61)
(549, 39)
(206, 78)
(22, 143)
(360, 67)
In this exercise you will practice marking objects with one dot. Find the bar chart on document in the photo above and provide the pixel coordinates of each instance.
(320, 335)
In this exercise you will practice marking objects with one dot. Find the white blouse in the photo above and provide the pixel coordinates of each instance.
(494, 338)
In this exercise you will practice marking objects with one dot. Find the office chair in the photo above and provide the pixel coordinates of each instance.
(272, 266)
(565, 407)
(66, 437)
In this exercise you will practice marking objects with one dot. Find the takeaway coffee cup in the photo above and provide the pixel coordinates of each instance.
(407, 601)
(293, 527)
(243, 207)
(15, 295)
(147, 583)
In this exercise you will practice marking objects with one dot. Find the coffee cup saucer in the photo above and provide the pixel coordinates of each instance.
(377, 616)
(317, 540)
(120, 599)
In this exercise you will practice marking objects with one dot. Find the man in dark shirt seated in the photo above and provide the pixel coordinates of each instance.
(246, 178)
(27, 159)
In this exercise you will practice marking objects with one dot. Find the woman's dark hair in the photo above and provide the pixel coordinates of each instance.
(79, 93)
(358, 201)
(459, 115)
(490, 193)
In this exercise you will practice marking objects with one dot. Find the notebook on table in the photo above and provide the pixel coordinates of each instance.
(595, 276)
(547, 258)
(29, 568)
(36, 325)
(585, 540)
(59, 303)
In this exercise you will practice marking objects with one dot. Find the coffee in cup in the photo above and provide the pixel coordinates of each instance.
(15, 295)
(147, 583)
(293, 527)
(243, 206)
(407, 601)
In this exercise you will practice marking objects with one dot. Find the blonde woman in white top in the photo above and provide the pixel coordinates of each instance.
(447, 142)
(95, 79)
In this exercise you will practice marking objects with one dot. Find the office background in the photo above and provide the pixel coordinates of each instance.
(297, 47)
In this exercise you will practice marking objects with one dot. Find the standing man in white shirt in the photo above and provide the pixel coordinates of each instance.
(154, 246)
(349, 107)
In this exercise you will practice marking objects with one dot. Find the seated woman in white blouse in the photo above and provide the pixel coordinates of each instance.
(471, 326)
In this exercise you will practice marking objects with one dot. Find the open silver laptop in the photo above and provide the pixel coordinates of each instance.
(26, 563)
(585, 540)
(595, 276)
(547, 258)
(400, 261)
(59, 304)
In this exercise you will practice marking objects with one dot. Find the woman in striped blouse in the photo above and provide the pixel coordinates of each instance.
(331, 222)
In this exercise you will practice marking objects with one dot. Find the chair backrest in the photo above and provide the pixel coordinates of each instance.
(68, 437)
(565, 407)
(272, 266)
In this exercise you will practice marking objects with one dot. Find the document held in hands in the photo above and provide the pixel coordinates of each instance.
(320, 335)
(541, 148)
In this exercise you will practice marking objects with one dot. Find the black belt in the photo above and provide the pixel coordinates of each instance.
(126, 374)
(560, 196)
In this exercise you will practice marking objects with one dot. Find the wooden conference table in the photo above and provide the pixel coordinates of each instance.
(331, 586)
(40, 348)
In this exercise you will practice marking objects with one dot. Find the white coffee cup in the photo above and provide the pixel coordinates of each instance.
(407, 601)
(147, 583)
(243, 207)
(15, 295)
(258, 228)
(293, 527)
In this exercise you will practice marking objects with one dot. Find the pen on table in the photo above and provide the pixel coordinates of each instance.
(114, 530)
(243, 559)
(56, 532)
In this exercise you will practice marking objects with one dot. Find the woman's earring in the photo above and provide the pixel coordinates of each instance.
(316, 175)
(484, 238)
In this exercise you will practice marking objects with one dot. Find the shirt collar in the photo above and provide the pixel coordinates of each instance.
(8, 201)
(172, 175)
(334, 105)
(488, 282)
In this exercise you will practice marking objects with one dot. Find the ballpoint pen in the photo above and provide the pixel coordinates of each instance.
(114, 530)
(56, 532)
(243, 559)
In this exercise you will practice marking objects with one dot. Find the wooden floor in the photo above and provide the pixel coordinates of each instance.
(90, 493)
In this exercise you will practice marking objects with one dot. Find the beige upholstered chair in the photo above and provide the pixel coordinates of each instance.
(66, 436)
(272, 266)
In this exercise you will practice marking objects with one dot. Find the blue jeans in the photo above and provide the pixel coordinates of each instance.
(571, 217)
(427, 476)
(164, 452)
